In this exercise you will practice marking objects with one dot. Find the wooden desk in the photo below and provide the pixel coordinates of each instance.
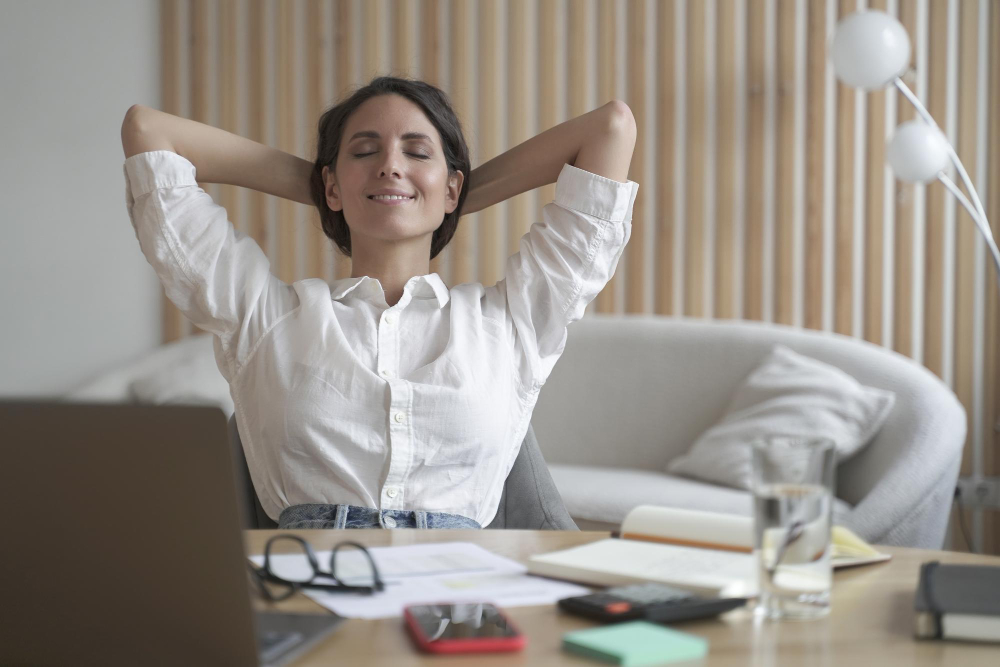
(871, 621)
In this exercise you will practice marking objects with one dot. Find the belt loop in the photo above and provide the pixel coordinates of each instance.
(340, 520)
(421, 519)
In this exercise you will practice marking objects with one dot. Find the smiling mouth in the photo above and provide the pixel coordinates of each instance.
(394, 200)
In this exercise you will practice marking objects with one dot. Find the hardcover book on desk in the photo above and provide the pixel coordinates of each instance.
(958, 602)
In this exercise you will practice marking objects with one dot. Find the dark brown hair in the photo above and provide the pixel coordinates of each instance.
(438, 110)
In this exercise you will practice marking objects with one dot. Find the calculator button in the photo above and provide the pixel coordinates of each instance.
(617, 607)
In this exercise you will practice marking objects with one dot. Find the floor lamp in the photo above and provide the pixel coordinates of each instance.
(871, 50)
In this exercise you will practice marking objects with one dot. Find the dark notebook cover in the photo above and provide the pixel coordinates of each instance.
(957, 589)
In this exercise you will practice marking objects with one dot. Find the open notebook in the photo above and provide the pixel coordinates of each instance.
(706, 552)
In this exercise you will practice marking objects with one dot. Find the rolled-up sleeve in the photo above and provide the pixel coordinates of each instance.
(563, 264)
(217, 276)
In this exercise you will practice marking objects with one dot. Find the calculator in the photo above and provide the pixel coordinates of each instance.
(658, 603)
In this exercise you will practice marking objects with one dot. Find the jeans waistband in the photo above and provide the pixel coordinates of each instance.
(321, 515)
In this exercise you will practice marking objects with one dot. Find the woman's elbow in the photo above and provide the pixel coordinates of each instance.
(620, 120)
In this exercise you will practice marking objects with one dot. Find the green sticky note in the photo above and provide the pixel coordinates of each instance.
(635, 643)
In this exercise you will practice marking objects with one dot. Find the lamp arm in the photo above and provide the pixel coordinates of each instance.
(981, 225)
(915, 101)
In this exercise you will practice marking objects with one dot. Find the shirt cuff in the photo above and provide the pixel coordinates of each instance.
(580, 190)
(158, 169)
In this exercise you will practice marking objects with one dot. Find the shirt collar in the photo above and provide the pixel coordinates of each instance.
(419, 287)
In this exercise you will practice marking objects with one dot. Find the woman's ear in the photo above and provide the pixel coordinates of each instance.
(331, 190)
(454, 190)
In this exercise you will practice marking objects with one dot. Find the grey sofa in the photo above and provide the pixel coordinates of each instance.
(631, 392)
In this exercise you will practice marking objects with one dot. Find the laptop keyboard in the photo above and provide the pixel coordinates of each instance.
(272, 643)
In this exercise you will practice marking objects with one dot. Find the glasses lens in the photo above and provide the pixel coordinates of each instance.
(289, 561)
(352, 566)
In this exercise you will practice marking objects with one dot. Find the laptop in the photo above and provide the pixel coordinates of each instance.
(122, 543)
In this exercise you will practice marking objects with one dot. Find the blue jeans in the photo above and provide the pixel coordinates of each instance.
(318, 515)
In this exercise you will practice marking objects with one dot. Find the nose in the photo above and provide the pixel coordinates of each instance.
(390, 165)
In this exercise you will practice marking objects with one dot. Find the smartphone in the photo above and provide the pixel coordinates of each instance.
(467, 627)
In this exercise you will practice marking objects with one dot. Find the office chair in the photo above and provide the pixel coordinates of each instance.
(530, 500)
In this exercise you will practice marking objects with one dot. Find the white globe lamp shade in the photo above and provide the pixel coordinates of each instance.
(870, 49)
(917, 152)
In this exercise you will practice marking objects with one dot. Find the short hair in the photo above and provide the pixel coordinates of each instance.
(435, 104)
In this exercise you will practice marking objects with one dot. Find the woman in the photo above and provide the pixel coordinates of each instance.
(383, 399)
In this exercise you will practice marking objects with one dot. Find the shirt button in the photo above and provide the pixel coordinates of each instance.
(390, 319)
(400, 417)
(391, 493)
(387, 373)
(389, 522)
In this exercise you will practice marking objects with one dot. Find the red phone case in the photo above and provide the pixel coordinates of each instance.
(473, 645)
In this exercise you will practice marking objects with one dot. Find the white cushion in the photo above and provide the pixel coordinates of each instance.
(607, 494)
(192, 380)
(787, 394)
(183, 371)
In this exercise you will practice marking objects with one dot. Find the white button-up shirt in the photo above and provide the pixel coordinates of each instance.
(341, 398)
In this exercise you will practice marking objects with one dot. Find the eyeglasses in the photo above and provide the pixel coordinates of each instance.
(280, 577)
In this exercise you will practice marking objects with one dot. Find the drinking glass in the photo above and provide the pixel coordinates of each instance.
(792, 482)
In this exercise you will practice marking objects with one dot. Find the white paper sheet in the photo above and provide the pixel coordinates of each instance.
(427, 573)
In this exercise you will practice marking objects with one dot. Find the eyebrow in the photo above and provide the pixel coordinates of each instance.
(375, 135)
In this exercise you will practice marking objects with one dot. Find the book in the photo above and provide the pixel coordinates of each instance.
(958, 602)
(706, 552)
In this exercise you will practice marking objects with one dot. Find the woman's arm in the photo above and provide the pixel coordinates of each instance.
(218, 156)
(600, 141)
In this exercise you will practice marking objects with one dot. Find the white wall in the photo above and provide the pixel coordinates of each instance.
(76, 294)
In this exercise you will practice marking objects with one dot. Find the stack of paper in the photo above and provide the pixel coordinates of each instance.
(427, 573)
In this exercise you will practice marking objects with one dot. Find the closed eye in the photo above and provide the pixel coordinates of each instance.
(416, 155)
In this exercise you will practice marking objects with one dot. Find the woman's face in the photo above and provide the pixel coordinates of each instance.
(390, 147)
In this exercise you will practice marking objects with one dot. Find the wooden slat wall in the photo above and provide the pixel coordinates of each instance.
(735, 111)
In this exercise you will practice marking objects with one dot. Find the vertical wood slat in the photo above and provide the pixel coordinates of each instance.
(228, 98)
(490, 235)
(904, 194)
(843, 293)
(965, 232)
(430, 71)
(725, 161)
(373, 61)
(401, 42)
(430, 43)
(694, 172)
(198, 86)
(520, 209)
(937, 84)
(636, 99)
(754, 264)
(460, 249)
(815, 158)
(287, 231)
(785, 167)
(874, 207)
(174, 323)
(547, 79)
(606, 25)
(991, 397)
(578, 45)
(344, 54)
(258, 113)
(318, 246)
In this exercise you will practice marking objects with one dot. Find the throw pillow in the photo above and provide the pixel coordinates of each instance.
(787, 394)
(189, 376)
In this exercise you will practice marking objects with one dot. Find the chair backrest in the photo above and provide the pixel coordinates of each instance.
(530, 500)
